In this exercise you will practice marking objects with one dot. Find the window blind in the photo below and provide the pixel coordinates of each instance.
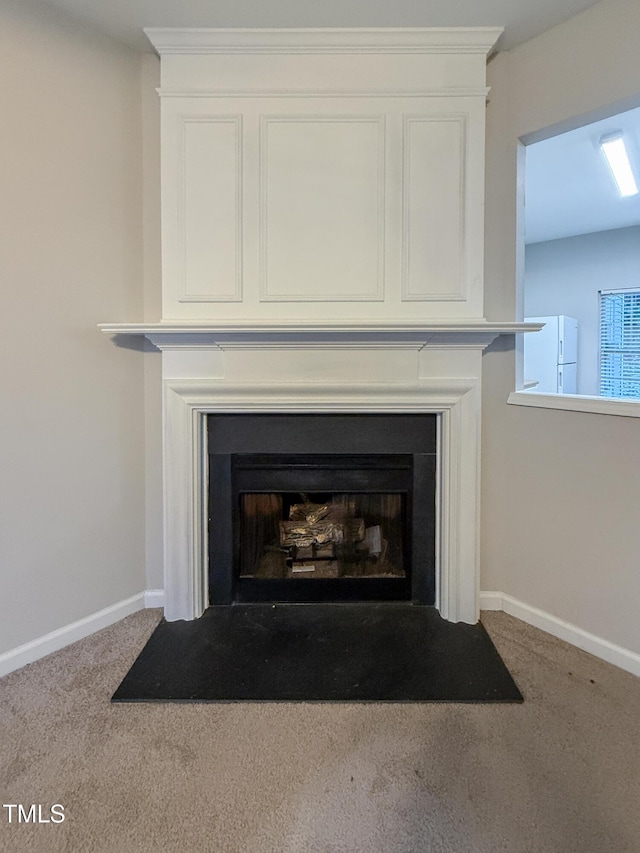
(620, 343)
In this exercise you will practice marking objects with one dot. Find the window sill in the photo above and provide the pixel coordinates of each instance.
(576, 403)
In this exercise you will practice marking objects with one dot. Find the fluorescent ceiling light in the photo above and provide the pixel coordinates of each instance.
(614, 149)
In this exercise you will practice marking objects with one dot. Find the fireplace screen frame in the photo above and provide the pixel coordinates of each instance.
(232, 437)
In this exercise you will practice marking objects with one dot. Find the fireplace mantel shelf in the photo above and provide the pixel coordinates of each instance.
(440, 333)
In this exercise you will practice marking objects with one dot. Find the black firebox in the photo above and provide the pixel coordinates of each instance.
(322, 507)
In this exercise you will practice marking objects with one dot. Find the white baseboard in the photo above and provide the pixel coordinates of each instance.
(38, 648)
(491, 601)
(154, 598)
(56, 640)
(617, 655)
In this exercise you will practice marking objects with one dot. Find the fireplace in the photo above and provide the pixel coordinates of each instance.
(321, 507)
(322, 257)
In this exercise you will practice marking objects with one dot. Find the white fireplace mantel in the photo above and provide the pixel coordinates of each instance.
(322, 251)
(330, 367)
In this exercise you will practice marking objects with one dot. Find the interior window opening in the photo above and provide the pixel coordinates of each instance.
(582, 260)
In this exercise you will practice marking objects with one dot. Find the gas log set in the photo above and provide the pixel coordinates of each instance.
(345, 536)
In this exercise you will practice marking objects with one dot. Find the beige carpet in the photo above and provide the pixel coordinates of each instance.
(560, 773)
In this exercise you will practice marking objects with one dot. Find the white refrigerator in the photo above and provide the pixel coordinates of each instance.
(551, 355)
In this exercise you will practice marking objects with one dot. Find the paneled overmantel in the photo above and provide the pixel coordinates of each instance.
(322, 251)
(314, 174)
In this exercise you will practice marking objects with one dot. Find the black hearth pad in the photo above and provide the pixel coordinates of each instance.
(373, 652)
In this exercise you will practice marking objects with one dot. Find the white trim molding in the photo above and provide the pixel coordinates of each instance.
(576, 403)
(153, 598)
(56, 640)
(597, 646)
(68, 634)
(335, 40)
(477, 334)
(210, 92)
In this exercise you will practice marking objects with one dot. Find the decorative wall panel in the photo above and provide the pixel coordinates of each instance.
(210, 212)
(322, 208)
(433, 208)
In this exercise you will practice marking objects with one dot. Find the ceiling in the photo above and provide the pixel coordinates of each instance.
(125, 19)
(569, 189)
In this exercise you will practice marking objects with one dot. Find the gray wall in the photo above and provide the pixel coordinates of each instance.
(560, 498)
(80, 246)
(72, 449)
(152, 277)
(565, 276)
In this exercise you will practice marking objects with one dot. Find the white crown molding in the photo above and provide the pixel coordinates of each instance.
(445, 92)
(476, 40)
